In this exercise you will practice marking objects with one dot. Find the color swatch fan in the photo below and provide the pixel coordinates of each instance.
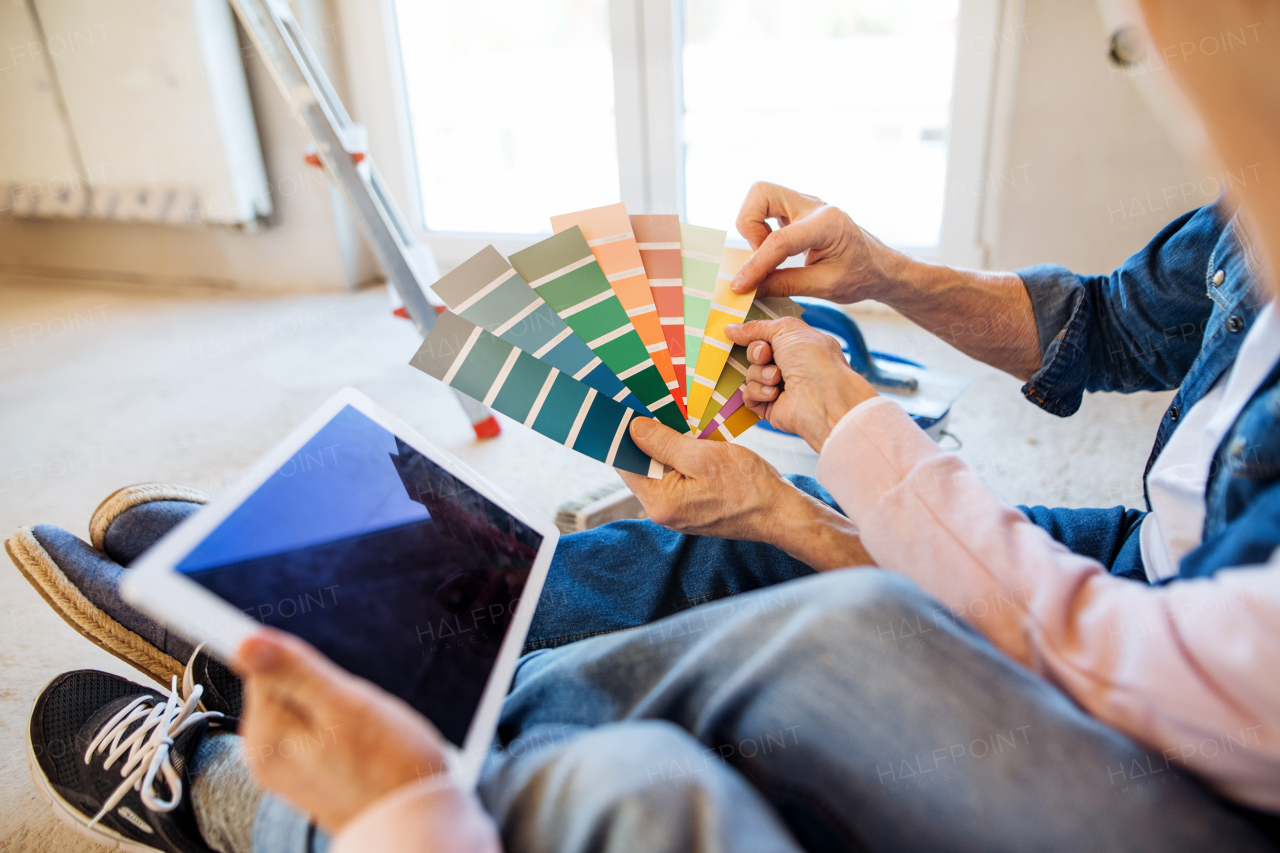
(614, 316)
(487, 291)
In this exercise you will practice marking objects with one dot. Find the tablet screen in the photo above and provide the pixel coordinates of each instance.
(392, 567)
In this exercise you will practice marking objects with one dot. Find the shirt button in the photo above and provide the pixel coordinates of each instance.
(1173, 414)
(1235, 323)
(1219, 277)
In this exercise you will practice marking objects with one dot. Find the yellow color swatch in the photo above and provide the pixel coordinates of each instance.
(726, 307)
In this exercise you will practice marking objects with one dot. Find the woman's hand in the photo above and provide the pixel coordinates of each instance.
(799, 379)
(329, 742)
(842, 262)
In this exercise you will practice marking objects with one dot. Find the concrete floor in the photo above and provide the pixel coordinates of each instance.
(101, 387)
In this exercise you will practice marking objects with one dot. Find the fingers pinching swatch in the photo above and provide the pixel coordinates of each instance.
(722, 420)
(614, 316)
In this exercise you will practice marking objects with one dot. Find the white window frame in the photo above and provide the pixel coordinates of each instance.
(647, 43)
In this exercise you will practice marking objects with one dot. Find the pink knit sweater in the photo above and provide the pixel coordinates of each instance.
(1190, 669)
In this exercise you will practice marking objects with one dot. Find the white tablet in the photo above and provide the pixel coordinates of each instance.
(389, 555)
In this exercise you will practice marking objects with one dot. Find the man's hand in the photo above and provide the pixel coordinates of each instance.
(714, 489)
(720, 489)
(987, 315)
(799, 379)
(329, 742)
(843, 263)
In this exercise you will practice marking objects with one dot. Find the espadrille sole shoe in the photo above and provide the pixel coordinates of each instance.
(123, 542)
(82, 614)
(81, 584)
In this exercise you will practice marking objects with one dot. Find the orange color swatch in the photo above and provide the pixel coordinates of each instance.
(608, 233)
(658, 237)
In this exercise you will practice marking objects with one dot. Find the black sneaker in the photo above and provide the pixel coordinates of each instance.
(112, 758)
(222, 688)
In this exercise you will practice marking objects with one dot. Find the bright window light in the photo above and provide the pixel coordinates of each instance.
(849, 100)
(512, 113)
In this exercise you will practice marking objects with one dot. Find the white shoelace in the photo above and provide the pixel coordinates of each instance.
(148, 745)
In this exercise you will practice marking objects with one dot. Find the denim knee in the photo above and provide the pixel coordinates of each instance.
(625, 774)
(653, 762)
(856, 606)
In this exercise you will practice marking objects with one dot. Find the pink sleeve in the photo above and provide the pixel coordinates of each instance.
(1191, 669)
(420, 818)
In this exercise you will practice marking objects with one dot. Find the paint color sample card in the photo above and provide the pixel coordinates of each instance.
(486, 290)
(717, 420)
(726, 307)
(726, 398)
(609, 235)
(734, 375)
(466, 357)
(658, 238)
(700, 252)
(735, 421)
(563, 271)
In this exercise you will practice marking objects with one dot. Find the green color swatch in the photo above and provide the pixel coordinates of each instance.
(486, 290)
(498, 374)
(563, 271)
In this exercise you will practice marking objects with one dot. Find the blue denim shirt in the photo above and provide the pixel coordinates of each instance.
(1172, 316)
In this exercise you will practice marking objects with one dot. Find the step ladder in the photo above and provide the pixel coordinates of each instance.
(340, 149)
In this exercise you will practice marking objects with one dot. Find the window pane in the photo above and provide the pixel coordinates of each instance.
(850, 101)
(512, 110)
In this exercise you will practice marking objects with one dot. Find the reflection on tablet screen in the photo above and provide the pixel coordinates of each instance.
(388, 564)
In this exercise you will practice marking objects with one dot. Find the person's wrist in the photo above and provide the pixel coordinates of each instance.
(773, 494)
(785, 516)
(838, 398)
(819, 536)
(889, 275)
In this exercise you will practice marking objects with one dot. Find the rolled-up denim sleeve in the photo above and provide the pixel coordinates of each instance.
(1137, 329)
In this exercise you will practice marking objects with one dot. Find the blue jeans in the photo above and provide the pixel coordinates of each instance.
(632, 573)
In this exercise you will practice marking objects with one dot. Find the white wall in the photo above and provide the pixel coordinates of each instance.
(309, 244)
(1091, 173)
(1084, 154)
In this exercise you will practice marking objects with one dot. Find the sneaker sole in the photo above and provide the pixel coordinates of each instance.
(86, 618)
(72, 816)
